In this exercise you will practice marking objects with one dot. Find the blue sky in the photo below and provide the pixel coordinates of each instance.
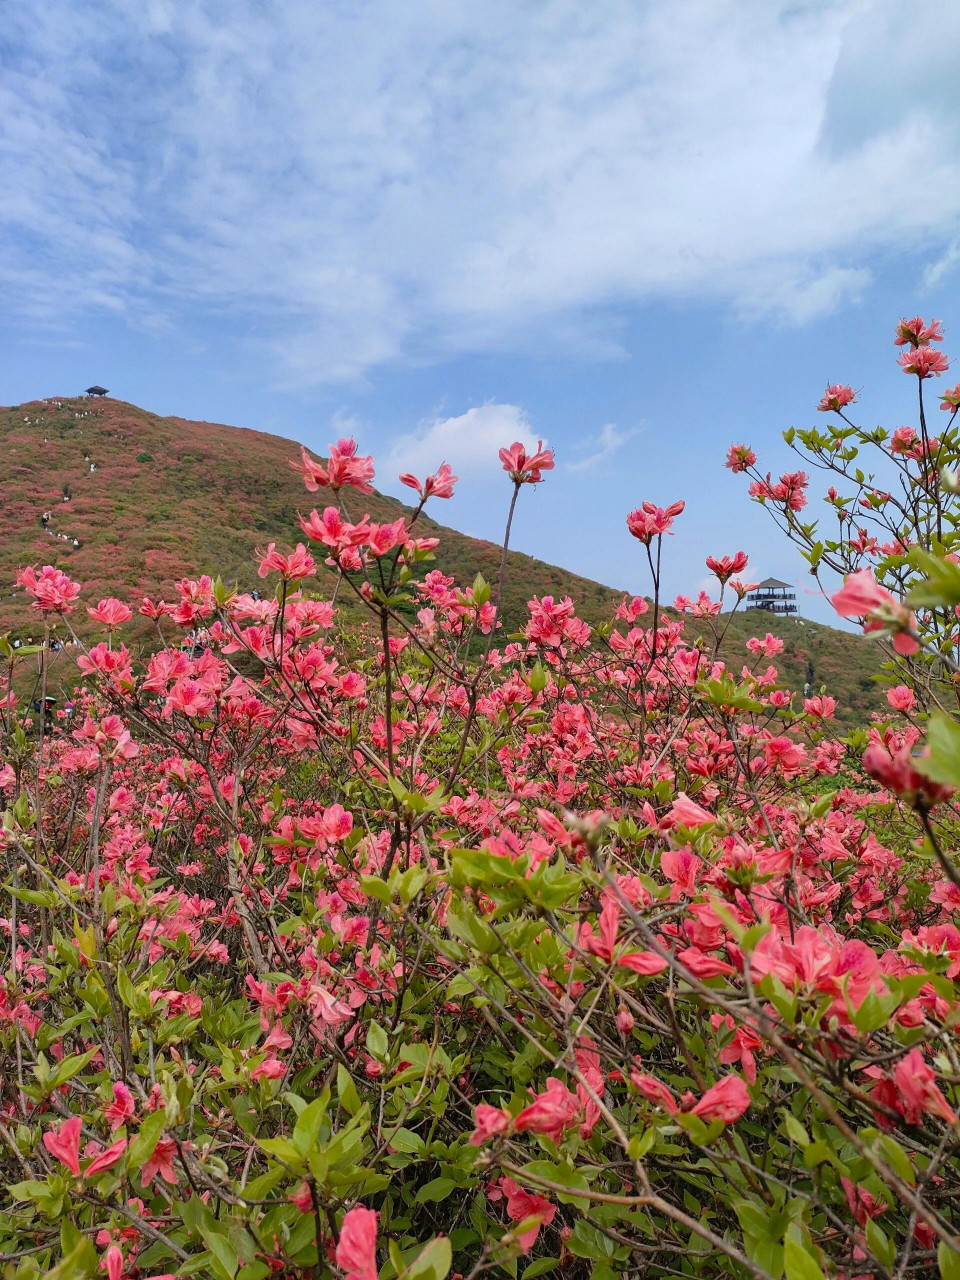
(639, 231)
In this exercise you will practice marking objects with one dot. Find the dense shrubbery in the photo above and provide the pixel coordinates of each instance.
(426, 951)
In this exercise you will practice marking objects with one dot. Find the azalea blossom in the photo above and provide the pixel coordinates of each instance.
(739, 458)
(861, 596)
(836, 397)
(901, 698)
(550, 1112)
(916, 333)
(727, 1100)
(52, 590)
(489, 1121)
(925, 362)
(160, 1162)
(356, 1252)
(917, 1092)
(438, 485)
(649, 521)
(299, 564)
(110, 613)
(524, 468)
(523, 1205)
(724, 566)
(899, 775)
(345, 469)
(64, 1144)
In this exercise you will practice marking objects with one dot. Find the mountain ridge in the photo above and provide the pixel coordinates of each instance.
(148, 499)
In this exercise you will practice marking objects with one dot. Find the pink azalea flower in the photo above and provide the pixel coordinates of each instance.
(727, 1100)
(302, 1198)
(685, 812)
(901, 698)
(917, 1092)
(106, 1158)
(649, 521)
(521, 1205)
(646, 963)
(488, 1121)
(925, 362)
(439, 485)
(739, 458)
(344, 470)
(113, 1262)
(64, 1144)
(110, 613)
(52, 590)
(524, 468)
(897, 774)
(356, 1253)
(333, 531)
(836, 397)
(655, 1091)
(724, 566)
(161, 1162)
(299, 564)
(916, 333)
(550, 1112)
(861, 596)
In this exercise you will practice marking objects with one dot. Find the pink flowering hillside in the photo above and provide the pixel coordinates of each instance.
(446, 947)
(168, 498)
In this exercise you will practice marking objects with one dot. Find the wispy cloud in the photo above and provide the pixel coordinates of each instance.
(345, 187)
(936, 272)
(601, 447)
(470, 442)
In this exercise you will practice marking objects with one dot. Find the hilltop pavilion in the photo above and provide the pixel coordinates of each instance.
(773, 596)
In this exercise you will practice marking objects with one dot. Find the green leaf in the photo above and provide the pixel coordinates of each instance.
(308, 1124)
(875, 1011)
(347, 1091)
(798, 1264)
(897, 1159)
(943, 762)
(377, 1042)
(436, 1190)
(881, 1246)
(374, 887)
(540, 1267)
(563, 1174)
(795, 1130)
(79, 1263)
(222, 1250)
(406, 1140)
(467, 926)
(142, 1147)
(68, 1068)
(481, 589)
(433, 1263)
(941, 584)
(588, 1242)
(949, 1262)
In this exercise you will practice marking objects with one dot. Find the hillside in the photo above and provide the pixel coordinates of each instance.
(150, 499)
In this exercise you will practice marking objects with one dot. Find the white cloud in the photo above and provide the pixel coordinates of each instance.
(936, 272)
(351, 186)
(469, 442)
(600, 447)
(798, 296)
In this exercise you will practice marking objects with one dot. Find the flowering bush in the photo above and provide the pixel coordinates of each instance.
(425, 950)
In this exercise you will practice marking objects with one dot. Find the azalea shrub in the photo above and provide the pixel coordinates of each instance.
(418, 949)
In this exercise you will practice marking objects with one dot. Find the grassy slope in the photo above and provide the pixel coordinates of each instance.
(209, 495)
